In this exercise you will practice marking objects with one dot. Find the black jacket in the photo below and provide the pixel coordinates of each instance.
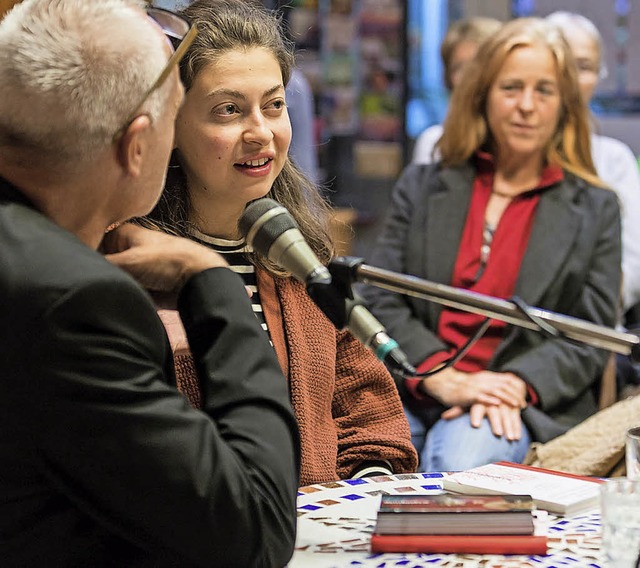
(102, 460)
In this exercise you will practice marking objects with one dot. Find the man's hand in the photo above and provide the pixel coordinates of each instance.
(159, 262)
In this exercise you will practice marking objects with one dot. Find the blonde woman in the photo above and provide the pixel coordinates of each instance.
(513, 208)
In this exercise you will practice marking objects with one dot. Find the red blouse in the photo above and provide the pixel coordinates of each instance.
(499, 274)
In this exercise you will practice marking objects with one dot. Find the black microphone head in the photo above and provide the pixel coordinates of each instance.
(254, 210)
(262, 222)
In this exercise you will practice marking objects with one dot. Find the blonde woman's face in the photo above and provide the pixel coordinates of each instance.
(460, 58)
(233, 131)
(523, 106)
(587, 55)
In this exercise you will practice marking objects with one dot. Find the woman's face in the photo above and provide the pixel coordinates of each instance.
(587, 55)
(523, 106)
(463, 53)
(233, 131)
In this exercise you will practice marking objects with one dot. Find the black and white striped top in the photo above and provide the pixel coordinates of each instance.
(234, 254)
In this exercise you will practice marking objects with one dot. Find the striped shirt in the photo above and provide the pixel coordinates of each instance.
(234, 252)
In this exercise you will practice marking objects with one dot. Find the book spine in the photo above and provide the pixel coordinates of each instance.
(472, 544)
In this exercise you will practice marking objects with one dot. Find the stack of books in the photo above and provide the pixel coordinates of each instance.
(477, 524)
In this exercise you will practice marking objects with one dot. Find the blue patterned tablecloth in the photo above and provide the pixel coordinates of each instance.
(336, 519)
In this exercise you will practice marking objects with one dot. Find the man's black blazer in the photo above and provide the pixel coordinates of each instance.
(102, 461)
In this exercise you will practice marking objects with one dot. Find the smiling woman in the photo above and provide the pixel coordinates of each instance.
(231, 147)
(236, 116)
(514, 208)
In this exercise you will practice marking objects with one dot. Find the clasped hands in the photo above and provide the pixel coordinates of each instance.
(497, 396)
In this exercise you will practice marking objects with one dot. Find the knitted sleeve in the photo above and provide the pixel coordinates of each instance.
(368, 413)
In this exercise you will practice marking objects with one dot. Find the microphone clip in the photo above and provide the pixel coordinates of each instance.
(333, 294)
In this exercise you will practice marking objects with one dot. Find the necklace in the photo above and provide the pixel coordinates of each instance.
(502, 194)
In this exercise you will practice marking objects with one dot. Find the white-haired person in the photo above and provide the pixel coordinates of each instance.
(614, 161)
(104, 463)
(617, 167)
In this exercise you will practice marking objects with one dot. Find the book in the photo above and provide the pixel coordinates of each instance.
(456, 544)
(554, 491)
(455, 514)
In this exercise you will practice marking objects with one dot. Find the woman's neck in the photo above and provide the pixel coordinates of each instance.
(216, 218)
(513, 179)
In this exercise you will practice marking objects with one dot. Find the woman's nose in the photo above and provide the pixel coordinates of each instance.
(257, 129)
(526, 102)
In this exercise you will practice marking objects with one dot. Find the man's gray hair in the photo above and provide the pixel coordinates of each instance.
(72, 72)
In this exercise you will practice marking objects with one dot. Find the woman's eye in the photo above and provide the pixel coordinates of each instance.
(277, 104)
(546, 90)
(586, 67)
(225, 110)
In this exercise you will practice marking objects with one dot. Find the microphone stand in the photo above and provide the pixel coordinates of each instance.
(349, 269)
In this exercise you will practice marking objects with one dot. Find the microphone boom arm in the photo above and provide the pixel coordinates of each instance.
(354, 270)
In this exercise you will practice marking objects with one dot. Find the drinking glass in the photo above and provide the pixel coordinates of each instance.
(633, 453)
(620, 507)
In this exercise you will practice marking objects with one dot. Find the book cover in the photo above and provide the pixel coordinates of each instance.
(455, 514)
(557, 492)
(450, 544)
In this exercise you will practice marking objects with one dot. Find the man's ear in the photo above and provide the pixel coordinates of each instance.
(133, 145)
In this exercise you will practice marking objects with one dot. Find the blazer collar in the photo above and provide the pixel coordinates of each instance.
(447, 211)
(554, 230)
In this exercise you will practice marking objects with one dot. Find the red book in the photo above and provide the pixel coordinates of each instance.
(468, 544)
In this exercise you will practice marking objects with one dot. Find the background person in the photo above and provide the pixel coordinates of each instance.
(232, 141)
(513, 208)
(103, 461)
(458, 48)
(614, 161)
(618, 168)
(303, 149)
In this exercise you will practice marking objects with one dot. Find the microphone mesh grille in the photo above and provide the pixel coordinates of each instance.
(271, 229)
(254, 211)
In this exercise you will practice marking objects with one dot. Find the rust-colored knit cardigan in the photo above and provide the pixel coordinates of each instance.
(346, 403)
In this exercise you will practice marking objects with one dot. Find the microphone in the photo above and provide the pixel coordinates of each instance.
(271, 230)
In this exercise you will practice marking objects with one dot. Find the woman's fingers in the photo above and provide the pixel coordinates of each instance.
(453, 412)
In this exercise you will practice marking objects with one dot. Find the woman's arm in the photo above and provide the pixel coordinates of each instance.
(367, 411)
(559, 370)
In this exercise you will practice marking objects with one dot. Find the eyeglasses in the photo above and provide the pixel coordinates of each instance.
(181, 34)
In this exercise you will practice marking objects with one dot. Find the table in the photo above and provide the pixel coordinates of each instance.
(335, 521)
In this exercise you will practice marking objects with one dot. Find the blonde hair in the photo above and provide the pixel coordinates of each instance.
(71, 71)
(466, 129)
(225, 25)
